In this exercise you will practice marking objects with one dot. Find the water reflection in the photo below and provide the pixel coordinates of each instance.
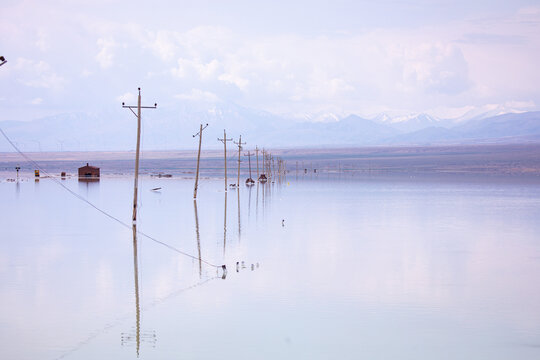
(257, 204)
(137, 337)
(249, 202)
(88, 186)
(127, 338)
(225, 226)
(239, 225)
(198, 236)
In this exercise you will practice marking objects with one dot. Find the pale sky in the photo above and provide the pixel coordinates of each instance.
(285, 57)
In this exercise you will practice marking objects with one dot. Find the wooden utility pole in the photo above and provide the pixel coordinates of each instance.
(273, 166)
(198, 159)
(138, 115)
(257, 156)
(250, 180)
(224, 141)
(239, 143)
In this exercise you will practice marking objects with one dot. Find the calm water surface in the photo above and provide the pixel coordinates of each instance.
(372, 268)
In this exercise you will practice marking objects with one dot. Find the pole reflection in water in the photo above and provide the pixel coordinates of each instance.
(137, 337)
(249, 203)
(257, 203)
(239, 227)
(127, 338)
(198, 236)
(225, 226)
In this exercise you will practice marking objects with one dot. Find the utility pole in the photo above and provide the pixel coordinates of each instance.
(257, 156)
(198, 159)
(224, 141)
(239, 143)
(273, 166)
(250, 180)
(138, 116)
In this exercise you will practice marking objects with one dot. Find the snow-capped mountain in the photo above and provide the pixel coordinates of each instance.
(171, 127)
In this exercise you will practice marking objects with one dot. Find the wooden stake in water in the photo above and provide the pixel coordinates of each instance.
(224, 141)
(249, 155)
(198, 160)
(138, 115)
(239, 143)
(257, 156)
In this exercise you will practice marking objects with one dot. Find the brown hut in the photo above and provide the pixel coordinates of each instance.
(88, 172)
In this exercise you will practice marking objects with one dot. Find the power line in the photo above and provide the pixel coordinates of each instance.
(128, 226)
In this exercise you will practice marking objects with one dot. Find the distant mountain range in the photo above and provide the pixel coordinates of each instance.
(167, 129)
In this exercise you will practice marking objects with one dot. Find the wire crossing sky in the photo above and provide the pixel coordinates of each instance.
(284, 57)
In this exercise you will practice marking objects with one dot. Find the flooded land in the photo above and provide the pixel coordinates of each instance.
(375, 253)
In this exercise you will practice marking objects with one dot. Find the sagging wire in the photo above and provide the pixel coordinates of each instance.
(112, 217)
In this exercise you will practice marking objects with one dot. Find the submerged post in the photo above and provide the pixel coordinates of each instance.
(138, 115)
(198, 160)
(224, 141)
(250, 180)
(257, 156)
(239, 143)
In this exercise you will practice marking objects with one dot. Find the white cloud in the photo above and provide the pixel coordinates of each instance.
(127, 98)
(435, 67)
(36, 101)
(198, 95)
(520, 104)
(38, 74)
(529, 11)
(105, 55)
(43, 41)
(203, 71)
(452, 64)
(234, 79)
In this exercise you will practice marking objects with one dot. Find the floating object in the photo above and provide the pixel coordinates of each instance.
(283, 222)
(63, 174)
(224, 268)
(36, 173)
(156, 189)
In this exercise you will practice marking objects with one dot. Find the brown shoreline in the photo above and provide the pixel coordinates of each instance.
(475, 159)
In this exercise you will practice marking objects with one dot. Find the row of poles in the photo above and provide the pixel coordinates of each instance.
(269, 161)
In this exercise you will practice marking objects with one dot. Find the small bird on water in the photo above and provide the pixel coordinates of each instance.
(283, 222)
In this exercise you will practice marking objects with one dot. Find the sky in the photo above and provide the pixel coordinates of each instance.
(285, 57)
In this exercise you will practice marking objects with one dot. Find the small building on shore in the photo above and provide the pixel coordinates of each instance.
(88, 172)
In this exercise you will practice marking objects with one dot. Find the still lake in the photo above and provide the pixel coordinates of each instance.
(328, 268)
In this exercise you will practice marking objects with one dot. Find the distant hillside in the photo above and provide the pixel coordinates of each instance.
(502, 126)
(172, 128)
